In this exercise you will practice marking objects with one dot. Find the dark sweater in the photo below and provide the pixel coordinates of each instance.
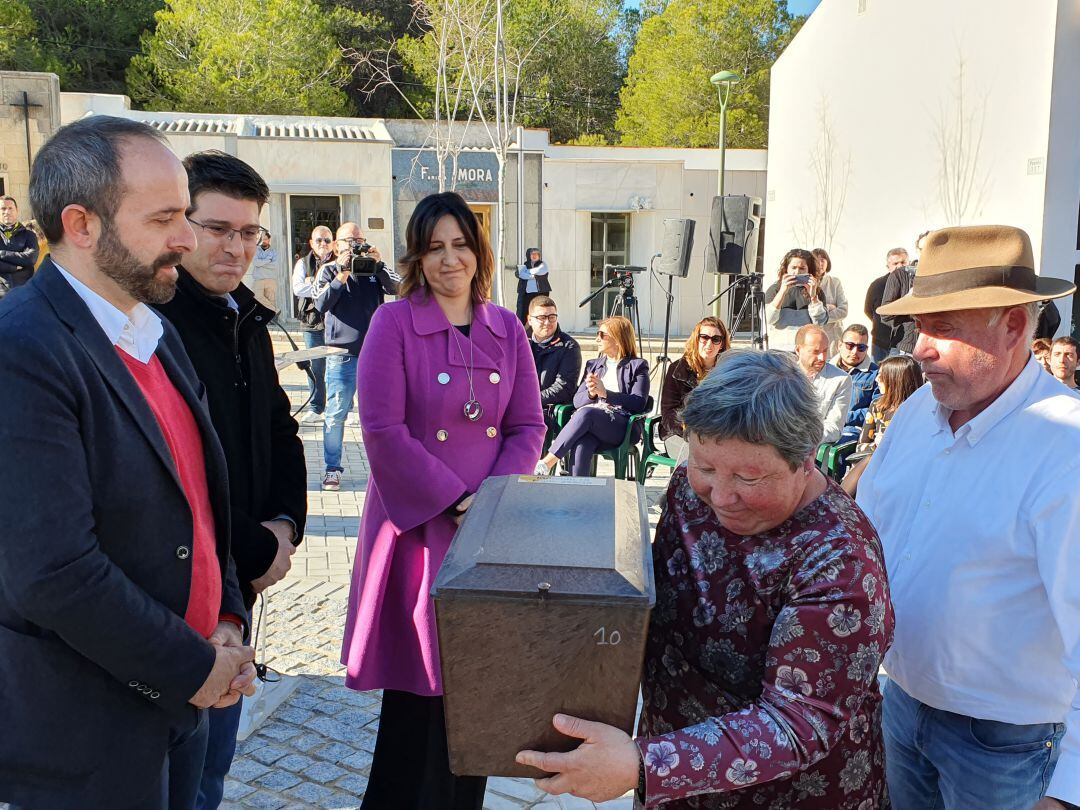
(679, 381)
(558, 365)
(233, 356)
(880, 332)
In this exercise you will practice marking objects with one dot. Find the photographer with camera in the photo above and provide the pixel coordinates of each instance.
(897, 285)
(347, 293)
(795, 299)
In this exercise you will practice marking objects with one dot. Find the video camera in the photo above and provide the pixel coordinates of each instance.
(623, 274)
(360, 263)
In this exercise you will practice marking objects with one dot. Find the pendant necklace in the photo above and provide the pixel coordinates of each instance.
(473, 410)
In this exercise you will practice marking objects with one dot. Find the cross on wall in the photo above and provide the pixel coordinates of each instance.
(26, 106)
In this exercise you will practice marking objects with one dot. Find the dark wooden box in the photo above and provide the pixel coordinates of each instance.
(542, 605)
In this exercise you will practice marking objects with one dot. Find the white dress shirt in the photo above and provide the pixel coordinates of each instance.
(833, 387)
(981, 531)
(136, 333)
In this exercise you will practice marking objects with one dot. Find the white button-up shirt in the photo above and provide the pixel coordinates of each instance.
(136, 333)
(833, 387)
(981, 531)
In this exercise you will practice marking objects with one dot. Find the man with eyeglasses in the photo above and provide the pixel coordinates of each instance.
(556, 354)
(854, 361)
(304, 275)
(347, 293)
(224, 328)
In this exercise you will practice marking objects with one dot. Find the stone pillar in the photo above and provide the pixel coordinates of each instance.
(42, 89)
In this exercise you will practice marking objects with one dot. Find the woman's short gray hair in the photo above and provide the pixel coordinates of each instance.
(759, 398)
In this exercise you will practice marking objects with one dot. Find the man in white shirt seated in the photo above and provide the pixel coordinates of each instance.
(832, 385)
(973, 492)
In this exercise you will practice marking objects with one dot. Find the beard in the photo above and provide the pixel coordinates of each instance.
(137, 279)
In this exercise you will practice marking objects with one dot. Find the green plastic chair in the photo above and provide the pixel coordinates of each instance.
(836, 459)
(652, 457)
(823, 456)
(626, 456)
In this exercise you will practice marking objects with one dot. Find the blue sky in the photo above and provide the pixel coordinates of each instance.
(794, 6)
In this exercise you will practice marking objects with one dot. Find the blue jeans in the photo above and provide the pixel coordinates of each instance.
(318, 368)
(937, 760)
(220, 749)
(340, 393)
(878, 353)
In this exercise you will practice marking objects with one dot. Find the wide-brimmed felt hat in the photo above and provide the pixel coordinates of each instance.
(972, 267)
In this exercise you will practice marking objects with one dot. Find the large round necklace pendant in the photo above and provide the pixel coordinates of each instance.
(473, 410)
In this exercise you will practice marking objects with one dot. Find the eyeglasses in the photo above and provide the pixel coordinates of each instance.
(715, 340)
(862, 347)
(247, 235)
(545, 318)
(600, 333)
(326, 240)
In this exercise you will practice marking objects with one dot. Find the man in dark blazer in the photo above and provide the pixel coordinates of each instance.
(120, 613)
(224, 329)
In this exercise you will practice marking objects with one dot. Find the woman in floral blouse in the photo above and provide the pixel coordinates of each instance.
(772, 617)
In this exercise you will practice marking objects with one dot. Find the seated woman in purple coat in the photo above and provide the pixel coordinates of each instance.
(615, 387)
(448, 397)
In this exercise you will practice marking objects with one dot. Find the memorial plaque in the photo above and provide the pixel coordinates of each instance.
(542, 606)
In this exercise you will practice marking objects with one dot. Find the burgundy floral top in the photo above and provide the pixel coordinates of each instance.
(760, 686)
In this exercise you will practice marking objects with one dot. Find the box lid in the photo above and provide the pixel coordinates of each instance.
(553, 538)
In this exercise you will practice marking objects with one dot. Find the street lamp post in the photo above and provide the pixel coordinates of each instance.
(723, 81)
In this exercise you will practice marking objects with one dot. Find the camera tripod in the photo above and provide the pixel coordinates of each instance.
(625, 304)
(753, 304)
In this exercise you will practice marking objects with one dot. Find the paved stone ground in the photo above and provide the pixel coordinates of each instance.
(315, 750)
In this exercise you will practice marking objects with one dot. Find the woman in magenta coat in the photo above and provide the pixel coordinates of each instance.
(448, 396)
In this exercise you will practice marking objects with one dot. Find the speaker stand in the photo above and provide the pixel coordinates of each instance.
(663, 360)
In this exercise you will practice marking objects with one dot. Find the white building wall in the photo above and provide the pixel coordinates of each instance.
(1061, 228)
(870, 105)
(651, 185)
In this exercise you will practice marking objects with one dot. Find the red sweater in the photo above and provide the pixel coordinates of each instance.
(182, 435)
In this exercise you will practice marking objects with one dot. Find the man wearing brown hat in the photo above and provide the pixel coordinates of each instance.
(973, 491)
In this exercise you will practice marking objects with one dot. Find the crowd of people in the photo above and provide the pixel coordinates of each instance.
(165, 492)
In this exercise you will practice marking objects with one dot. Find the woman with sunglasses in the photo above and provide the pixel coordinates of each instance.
(615, 387)
(706, 343)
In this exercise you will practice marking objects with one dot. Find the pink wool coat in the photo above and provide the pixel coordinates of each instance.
(424, 454)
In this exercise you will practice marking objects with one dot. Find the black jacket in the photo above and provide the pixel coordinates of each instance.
(679, 381)
(904, 331)
(347, 308)
(558, 364)
(234, 358)
(1049, 321)
(18, 253)
(96, 660)
(880, 332)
